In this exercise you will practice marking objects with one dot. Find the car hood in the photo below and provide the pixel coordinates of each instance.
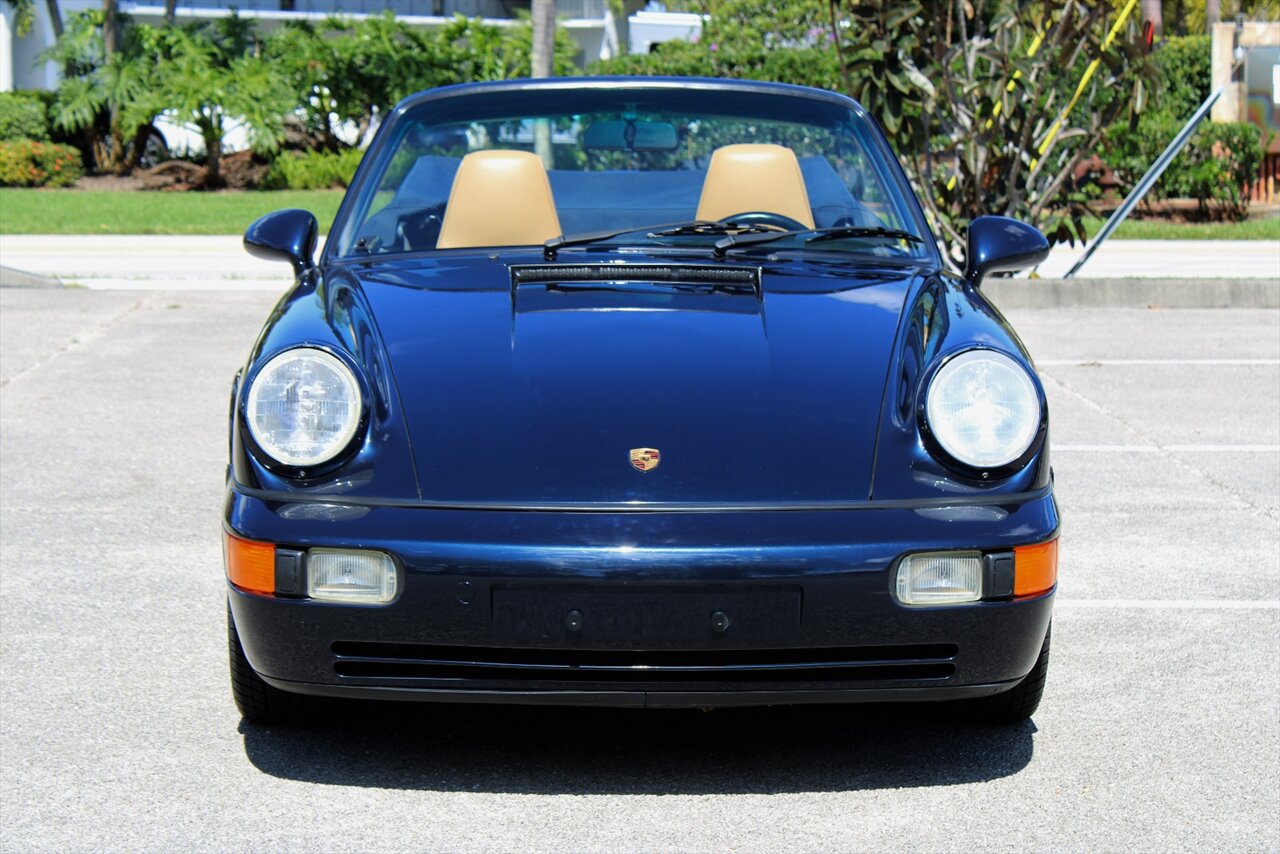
(533, 384)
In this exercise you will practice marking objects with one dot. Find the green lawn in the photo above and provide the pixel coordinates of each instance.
(1155, 229)
(116, 212)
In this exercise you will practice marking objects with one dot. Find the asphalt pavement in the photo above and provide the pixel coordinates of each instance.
(1159, 730)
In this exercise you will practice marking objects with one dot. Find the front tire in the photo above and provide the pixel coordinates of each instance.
(257, 701)
(1020, 702)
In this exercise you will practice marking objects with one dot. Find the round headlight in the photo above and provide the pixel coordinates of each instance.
(303, 407)
(983, 409)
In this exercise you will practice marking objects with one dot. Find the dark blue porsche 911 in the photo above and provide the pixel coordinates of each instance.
(638, 392)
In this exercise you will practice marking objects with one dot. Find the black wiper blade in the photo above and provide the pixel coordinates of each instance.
(734, 241)
(555, 244)
(670, 229)
(839, 232)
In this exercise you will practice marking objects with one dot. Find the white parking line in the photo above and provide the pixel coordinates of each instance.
(1175, 362)
(1173, 604)
(104, 284)
(1257, 449)
(1155, 449)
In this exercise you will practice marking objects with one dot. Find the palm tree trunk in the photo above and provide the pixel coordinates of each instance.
(110, 27)
(1212, 14)
(543, 61)
(55, 17)
(544, 37)
(211, 130)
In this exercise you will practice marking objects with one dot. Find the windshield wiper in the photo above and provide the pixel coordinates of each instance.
(734, 241)
(671, 229)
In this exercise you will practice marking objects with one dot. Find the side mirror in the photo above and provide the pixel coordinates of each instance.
(288, 235)
(998, 244)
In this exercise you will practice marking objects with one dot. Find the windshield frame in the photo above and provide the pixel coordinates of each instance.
(383, 147)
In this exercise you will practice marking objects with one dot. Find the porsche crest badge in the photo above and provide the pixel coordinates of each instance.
(645, 459)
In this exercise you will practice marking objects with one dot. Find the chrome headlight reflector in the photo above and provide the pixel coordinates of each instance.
(983, 409)
(304, 407)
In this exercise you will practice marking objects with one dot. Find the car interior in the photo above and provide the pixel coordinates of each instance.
(450, 202)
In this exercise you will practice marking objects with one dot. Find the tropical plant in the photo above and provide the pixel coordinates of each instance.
(998, 100)
(212, 75)
(987, 101)
(352, 71)
(106, 98)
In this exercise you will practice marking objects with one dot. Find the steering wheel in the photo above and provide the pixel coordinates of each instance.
(765, 219)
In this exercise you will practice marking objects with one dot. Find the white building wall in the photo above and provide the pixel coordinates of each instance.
(20, 65)
(6, 49)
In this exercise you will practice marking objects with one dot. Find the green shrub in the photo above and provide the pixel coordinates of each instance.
(1184, 65)
(1215, 166)
(313, 170)
(1220, 159)
(31, 163)
(22, 116)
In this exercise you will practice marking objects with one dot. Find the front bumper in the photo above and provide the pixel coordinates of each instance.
(482, 615)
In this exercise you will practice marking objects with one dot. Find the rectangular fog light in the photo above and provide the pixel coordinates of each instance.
(347, 575)
(940, 578)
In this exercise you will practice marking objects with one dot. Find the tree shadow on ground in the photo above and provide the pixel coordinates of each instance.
(546, 750)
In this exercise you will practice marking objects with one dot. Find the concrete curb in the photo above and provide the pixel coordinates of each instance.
(11, 278)
(1134, 293)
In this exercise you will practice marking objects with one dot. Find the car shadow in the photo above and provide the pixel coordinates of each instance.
(543, 750)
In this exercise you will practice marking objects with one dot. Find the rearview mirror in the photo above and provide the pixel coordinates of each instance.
(998, 244)
(624, 135)
(288, 235)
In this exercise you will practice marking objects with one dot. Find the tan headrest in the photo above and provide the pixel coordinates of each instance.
(744, 178)
(499, 198)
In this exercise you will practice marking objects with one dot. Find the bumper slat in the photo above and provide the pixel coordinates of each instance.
(857, 664)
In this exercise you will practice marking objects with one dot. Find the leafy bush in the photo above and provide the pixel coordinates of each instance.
(348, 70)
(313, 170)
(788, 42)
(1184, 66)
(22, 116)
(28, 163)
(1214, 168)
(1217, 163)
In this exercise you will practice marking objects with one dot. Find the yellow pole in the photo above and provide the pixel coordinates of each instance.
(1032, 49)
(1084, 81)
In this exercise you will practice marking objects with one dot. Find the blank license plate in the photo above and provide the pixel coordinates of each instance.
(642, 617)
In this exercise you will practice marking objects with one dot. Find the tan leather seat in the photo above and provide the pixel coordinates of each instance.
(751, 177)
(499, 198)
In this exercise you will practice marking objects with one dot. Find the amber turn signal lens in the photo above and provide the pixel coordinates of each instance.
(1035, 568)
(251, 566)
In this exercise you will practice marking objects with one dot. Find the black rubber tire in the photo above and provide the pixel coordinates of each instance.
(1020, 702)
(257, 701)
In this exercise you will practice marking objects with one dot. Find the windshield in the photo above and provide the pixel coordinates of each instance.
(468, 171)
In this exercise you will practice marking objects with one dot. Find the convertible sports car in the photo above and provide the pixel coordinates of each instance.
(637, 392)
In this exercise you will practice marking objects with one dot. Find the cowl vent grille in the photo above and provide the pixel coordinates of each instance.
(746, 277)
